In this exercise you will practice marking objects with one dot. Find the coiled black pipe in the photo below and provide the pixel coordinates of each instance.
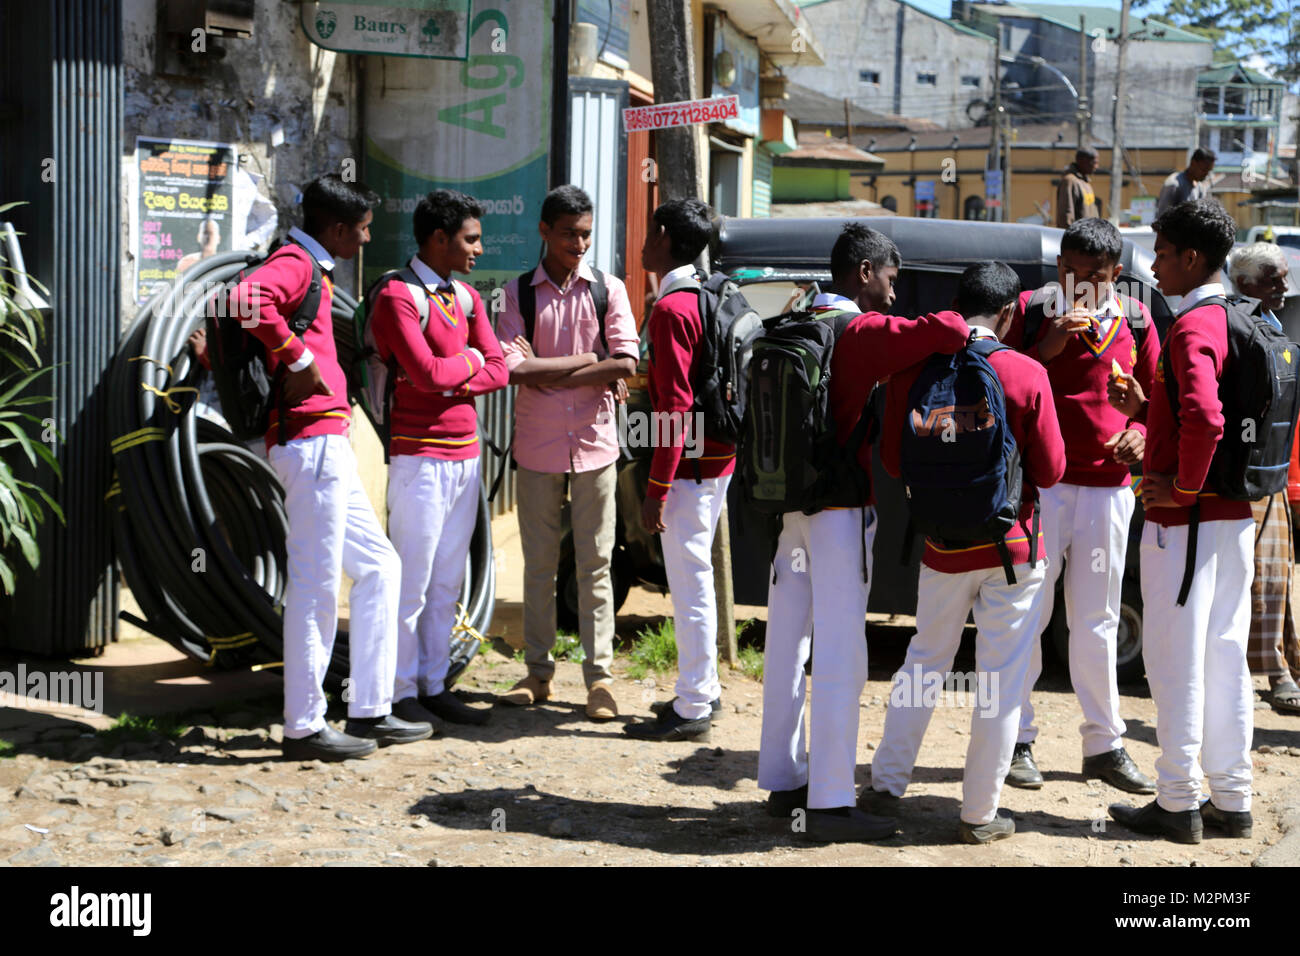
(199, 520)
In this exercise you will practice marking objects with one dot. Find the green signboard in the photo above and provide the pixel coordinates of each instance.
(481, 126)
(437, 29)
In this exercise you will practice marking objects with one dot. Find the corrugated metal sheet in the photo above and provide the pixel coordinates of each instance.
(62, 96)
(762, 202)
(496, 420)
(595, 125)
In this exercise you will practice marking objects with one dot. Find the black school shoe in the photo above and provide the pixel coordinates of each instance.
(1184, 826)
(1024, 773)
(1117, 768)
(879, 802)
(453, 710)
(782, 803)
(715, 706)
(669, 725)
(1236, 823)
(999, 828)
(388, 729)
(327, 744)
(847, 825)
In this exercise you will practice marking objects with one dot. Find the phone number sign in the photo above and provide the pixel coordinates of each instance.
(664, 115)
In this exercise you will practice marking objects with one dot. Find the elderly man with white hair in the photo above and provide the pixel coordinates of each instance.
(1260, 271)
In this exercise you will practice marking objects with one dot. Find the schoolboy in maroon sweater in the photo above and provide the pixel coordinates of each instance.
(1195, 653)
(689, 473)
(1082, 332)
(332, 527)
(433, 472)
(959, 579)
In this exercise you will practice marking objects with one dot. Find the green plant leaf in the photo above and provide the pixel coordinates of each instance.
(6, 575)
(28, 543)
(22, 383)
(21, 437)
(10, 205)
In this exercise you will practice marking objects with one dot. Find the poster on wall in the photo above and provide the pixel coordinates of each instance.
(421, 28)
(485, 131)
(184, 207)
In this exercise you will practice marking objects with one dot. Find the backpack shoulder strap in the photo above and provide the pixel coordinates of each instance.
(419, 294)
(463, 298)
(527, 297)
(305, 314)
(600, 298)
(1133, 316)
(1035, 315)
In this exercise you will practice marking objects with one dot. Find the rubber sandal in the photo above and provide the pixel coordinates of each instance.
(1285, 698)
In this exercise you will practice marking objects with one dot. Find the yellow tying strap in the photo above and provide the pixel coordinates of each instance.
(152, 361)
(262, 667)
(114, 489)
(166, 395)
(464, 631)
(138, 437)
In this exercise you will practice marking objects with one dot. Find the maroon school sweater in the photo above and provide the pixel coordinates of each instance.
(274, 292)
(675, 332)
(426, 421)
(1078, 376)
(1031, 416)
(1182, 445)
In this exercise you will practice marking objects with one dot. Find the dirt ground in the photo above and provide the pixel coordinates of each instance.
(548, 786)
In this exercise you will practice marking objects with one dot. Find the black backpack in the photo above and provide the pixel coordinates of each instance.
(238, 359)
(729, 327)
(959, 461)
(789, 458)
(1036, 315)
(1260, 394)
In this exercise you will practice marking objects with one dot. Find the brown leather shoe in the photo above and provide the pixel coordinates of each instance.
(600, 701)
(530, 690)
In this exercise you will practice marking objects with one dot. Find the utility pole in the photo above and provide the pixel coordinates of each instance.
(995, 151)
(1081, 106)
(1117, 134)
(680, 173)
(672, 70)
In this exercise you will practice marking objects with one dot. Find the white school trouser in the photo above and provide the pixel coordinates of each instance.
(1195, 657)
(432, 510)
(1088, 528)
(1006, 622)
(333, 529)
(820, 587)
(690, 520)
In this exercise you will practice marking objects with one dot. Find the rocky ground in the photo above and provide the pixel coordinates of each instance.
(549, 786)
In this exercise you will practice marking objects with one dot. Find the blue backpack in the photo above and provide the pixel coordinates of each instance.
(959, 461)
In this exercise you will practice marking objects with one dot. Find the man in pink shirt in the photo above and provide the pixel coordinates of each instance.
(564, 359)
(433, 472)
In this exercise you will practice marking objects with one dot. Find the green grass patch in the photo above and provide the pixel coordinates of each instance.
(568, 647)
(7, 750)
(519, 656)
(750, 660)
(130, 727)
(502, 686)
(653, 649)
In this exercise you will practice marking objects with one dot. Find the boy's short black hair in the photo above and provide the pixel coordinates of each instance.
(1203, 155)
(857, 242)
(444, 209)
(329, 199)
(1083, 151)
(688, 226)
(1200, 224)
(1094, 237)
(565, 201)
(985, 288)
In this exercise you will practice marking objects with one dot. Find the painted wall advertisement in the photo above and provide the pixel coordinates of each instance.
(481, 126)
(185, 206)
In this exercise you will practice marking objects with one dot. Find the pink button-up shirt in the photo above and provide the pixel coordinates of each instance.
(567, 429)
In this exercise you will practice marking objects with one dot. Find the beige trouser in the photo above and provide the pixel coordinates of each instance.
(541, 497)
